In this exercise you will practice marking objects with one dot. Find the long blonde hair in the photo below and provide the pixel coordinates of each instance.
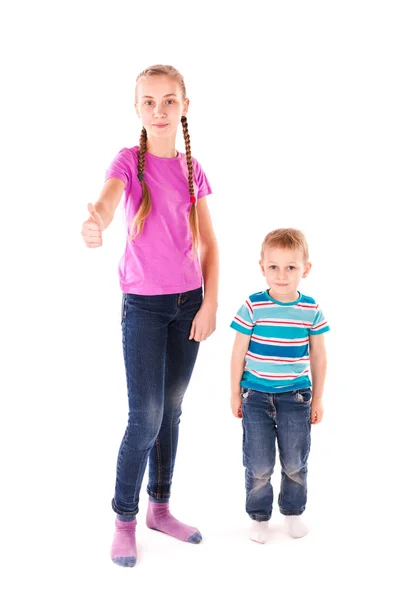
(146, 203)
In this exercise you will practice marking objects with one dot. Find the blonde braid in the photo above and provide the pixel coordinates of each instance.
(145, 205)
(193, 218)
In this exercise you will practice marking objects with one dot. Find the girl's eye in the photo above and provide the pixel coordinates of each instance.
(170, 101)
(148, 102)
(273, 267)
(291, 268)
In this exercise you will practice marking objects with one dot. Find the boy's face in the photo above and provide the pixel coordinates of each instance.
(283, 269)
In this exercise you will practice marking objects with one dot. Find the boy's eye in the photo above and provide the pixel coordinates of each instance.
(170, 101)
(272, 267)
(149, 102)
(291, 268)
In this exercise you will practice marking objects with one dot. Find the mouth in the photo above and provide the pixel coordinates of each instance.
(282, 284)
(160, 125)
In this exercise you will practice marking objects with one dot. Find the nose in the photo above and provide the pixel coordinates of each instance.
(159, 111)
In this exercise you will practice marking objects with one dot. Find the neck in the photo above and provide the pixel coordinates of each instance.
(284, 297)
(162, 148)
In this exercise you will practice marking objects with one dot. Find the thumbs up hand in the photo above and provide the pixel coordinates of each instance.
(92, 229)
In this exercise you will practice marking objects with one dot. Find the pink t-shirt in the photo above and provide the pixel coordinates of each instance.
(159, 260)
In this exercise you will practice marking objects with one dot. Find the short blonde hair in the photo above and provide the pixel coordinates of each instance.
(290, 238)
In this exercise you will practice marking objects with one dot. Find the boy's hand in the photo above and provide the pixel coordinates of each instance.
(317, 411)
(236, 405)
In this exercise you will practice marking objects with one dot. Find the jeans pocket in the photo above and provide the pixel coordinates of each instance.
(303, 396)
(245, 393)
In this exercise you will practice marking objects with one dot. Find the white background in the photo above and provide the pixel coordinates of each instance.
(295, 119)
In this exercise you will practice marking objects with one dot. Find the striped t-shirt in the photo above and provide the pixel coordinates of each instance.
(278, 356)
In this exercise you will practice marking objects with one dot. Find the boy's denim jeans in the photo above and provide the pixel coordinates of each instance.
(284, 417)
(159, 360)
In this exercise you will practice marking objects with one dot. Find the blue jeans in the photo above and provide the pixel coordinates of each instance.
(159, 360)
(284, 417)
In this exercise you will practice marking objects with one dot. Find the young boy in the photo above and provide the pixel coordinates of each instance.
(279, 339)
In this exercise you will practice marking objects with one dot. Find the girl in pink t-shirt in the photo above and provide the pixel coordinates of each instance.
(165, 311)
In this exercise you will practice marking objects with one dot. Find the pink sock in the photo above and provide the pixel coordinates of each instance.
(159, 518)
(123, 549)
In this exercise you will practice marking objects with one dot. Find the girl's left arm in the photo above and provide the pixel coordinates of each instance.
(204, 322)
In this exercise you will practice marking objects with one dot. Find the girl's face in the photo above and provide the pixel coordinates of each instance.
(160, 105)
(283, 269)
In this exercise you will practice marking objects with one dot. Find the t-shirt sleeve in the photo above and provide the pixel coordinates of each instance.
(320, 324)
(201, 180)
(244, 319)
(121, 167)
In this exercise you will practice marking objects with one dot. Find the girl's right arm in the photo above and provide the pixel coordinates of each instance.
(102, 213)
(240, 348)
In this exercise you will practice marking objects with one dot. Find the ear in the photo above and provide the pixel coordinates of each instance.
(260, 262)
(307, 269)
(137, 110)
(186, 103)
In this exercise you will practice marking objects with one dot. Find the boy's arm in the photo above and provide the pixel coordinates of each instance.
(240, 347)
(318, 363)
